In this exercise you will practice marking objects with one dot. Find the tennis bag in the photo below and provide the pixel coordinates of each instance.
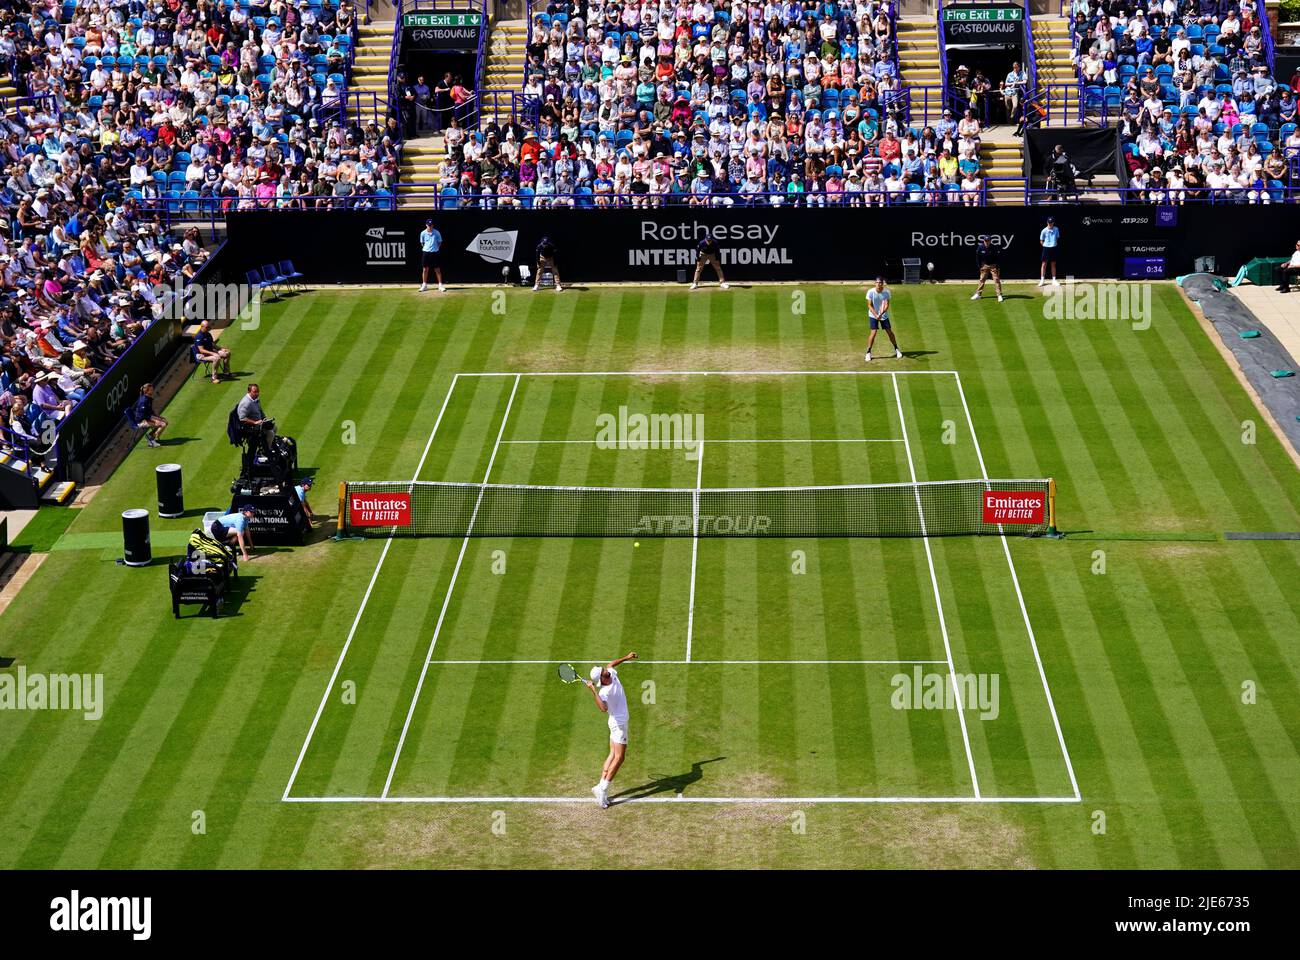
(202, 552)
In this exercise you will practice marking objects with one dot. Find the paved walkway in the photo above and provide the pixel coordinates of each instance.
(1280, 312)
(17, 520)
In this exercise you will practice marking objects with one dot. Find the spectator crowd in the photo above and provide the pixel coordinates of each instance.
(642, 104)
(1199, 112)
(131, 112)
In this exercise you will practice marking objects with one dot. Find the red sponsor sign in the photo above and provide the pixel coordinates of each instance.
(1015, 506)
(379, 509)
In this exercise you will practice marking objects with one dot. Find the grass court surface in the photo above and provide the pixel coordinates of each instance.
(377, 686)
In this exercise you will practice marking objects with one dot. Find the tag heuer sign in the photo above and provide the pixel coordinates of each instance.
(442, 31)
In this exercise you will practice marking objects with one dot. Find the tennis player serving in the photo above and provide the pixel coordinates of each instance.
(878, 298)
(610, 699)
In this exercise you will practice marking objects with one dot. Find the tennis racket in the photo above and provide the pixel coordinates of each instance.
(568, 674)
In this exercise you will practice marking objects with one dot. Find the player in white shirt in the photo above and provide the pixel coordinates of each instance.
(610, 699)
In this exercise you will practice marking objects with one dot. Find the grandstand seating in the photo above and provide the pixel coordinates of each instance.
(1195, 102)
(791, 109)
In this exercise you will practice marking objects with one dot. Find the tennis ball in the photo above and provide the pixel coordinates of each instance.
(636, 543)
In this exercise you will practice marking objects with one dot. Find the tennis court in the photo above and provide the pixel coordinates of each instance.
(784, 669)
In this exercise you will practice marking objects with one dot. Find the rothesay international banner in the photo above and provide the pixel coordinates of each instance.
(759, 243)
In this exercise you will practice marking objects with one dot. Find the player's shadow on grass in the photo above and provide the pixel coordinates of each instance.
(664, 783)
(917, 354)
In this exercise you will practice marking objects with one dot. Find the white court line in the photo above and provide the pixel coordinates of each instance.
(679, 798)
(713, 373)
(628, 446)
(365, 599)
(938, 601)
(446, 601)
(694, 663)
(1020, 597)
(695, 543)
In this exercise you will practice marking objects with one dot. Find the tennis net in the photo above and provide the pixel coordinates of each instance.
(938, 508)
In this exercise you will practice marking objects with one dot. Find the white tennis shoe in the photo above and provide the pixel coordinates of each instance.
(975, 296)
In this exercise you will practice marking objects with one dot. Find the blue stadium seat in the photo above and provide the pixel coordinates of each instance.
(289, 272)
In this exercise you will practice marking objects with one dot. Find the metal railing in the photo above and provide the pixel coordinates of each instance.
(1070, 111)
(20, 447)
(905, 101)
(893, 36)
(1279, 193)
(1031, 55)
(1261, 14)
(943, 49)
(452, 199)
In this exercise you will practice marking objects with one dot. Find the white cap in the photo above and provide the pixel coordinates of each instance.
(595, 674)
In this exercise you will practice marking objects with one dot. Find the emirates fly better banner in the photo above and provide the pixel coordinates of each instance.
(1015, 507)
(379, 509)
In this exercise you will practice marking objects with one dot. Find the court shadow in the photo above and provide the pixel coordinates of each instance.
(918, 354)
(176, 441)
(321, 531)
(663, 783)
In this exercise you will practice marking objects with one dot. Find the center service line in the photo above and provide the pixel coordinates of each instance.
(446, 601)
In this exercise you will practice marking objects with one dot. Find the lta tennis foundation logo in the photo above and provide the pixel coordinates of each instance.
(650, 431)
(922, 690)
(1128, 301)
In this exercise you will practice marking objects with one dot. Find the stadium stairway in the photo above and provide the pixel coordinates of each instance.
(918, 63)
(370, 66)
(1002, 159)
(21, 489)
(420, 161)
(504, 70)
(1052, 56)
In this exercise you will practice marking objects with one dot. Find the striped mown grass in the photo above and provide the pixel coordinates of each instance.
(1171, 663)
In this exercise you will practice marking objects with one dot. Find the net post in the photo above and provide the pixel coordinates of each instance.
(1051, 507)
(343, 500)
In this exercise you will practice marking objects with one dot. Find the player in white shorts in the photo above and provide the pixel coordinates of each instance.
(610, 699)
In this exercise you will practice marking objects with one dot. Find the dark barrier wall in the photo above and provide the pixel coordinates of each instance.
(757, 243)
(103, 408)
